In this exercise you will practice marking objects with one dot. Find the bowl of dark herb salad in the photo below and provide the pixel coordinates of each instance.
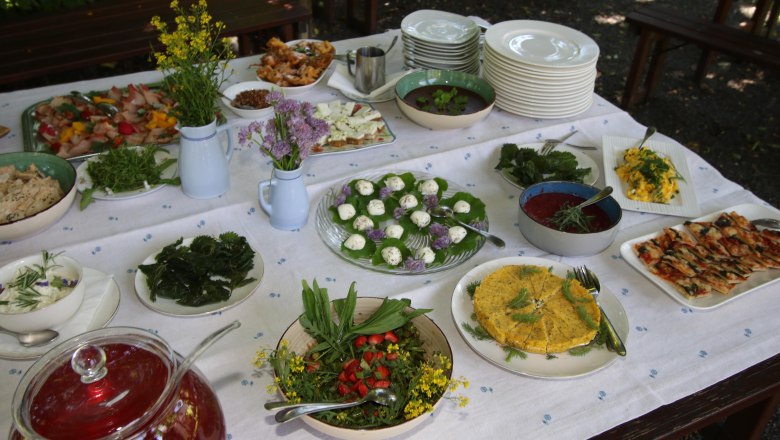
(550, 220)
(444, 99)
(337, 351)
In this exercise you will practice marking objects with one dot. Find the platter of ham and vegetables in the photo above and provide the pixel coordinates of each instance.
(380, 221)
(79, 125)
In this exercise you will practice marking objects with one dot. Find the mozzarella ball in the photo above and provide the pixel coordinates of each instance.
(392, 255)
(420, 218)
(395, 183)
(362, 223)
(355, 242)
(346, 211)
(364, 187)
(426, 254)
(394, 231)
(376, 207)
(408, 201)
(429, 187)
(457, 233)
(461, 207)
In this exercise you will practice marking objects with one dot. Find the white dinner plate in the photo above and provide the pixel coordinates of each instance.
(560, 366)
(756, 280)
(84, 180)
(439, 27)
(170, 307)
(101, 301)
(542, 112)
(683, 204)
(541, 43)
(583, 161)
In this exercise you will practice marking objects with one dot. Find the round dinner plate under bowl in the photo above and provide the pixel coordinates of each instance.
(84, 180)
(101, 301)
(170, 307)
(562, 365)
(583, 161)
(333, 234)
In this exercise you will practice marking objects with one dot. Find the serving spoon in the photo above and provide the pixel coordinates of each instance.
(33, 339)
(382, 396)
(649, 132)
(599, 196)
(445, 211)
(767, 223)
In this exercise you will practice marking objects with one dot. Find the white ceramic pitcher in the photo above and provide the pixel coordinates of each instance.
(203, 163)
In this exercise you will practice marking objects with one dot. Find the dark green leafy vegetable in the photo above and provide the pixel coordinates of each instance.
(528, 167)
(126, 169)
(205, 272)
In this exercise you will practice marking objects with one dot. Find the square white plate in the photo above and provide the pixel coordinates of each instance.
(683, 205)
(758, 279)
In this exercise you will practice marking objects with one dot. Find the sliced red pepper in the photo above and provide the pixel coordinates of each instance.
(126, 128)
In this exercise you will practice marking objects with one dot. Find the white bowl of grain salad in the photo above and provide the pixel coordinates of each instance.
(247, 99)
(40, 292)
(36, 190)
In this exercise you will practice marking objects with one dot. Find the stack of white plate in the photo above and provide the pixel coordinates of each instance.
(539, 69)
(439, 40)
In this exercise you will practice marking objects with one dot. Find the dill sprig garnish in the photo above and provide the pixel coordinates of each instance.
(478, 332)
(521, 300)
(472, 288)
(583, 314)
(512, 352)
(570, 217)
(527, 270)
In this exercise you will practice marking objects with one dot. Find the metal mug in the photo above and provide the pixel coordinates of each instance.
(369, 68)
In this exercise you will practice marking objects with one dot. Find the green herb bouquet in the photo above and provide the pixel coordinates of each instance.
(194, 62)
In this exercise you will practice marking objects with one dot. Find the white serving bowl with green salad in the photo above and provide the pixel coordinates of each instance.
(40, 292)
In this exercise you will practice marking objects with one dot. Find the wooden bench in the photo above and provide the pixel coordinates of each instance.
(113, 30)
(657, 26)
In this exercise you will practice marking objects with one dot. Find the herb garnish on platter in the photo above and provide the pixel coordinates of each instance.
(204, 272)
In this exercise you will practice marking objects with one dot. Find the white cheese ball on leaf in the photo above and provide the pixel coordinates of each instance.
(420, 218)
(376, 207)
(362, 223)
(457, 233)
(462, 207)
(395, 183)
(394, 231)
(392, 255)
(355, 242)
(364, 187)
(426, 254)
(429, 187)
(408, 201)
(346, 211)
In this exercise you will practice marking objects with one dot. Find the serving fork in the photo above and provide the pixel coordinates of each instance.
(767, 223)
(588, 279)
(550, 144)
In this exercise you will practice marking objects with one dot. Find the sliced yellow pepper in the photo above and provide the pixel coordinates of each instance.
(99, 99)
(160, 120)
(75, 128)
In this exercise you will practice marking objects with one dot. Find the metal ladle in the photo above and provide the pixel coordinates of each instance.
(445, 211)
(382, 396)
(33, 339)
(200, 348)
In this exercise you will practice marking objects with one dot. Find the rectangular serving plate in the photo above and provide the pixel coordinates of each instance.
(383, 138)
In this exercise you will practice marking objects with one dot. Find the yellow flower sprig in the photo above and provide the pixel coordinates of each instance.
(193, 61)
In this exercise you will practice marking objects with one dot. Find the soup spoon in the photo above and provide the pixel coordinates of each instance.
(603, 194)
(382, 396)
(445, 211)
(33, 339)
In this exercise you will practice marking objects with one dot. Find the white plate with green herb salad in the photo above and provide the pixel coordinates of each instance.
(125, 173)
(220, 273)
(522, 166)
(579, 361)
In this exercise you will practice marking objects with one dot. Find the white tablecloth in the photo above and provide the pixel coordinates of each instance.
(673, 350)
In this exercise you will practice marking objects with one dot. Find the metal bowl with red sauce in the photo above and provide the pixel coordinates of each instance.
(539, 202)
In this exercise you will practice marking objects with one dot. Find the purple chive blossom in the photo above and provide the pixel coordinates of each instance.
(385, 192)
(441, 243)
(346, 190)
(398, 213)
(479, 225)
(340, 199)
(437, 229)
(413, 265)
(430, 200)
(42, 283)
(375, 234)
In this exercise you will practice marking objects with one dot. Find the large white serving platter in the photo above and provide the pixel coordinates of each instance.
(170, 307)
(101, 301)
(757, 280)
(560, 366)
(684, 204)
(583, 161)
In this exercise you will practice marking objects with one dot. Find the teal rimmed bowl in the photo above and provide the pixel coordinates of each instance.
(416, 80)
(50, 165)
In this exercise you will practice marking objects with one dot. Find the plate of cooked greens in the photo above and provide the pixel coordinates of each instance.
(522, 165)
(199, 276)
(125, 173)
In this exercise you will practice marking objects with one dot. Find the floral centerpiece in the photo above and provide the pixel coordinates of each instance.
(289, 136)
(347, 359)
(193, 61)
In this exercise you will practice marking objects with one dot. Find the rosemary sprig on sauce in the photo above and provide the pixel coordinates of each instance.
(30, 276)
(571, 217)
